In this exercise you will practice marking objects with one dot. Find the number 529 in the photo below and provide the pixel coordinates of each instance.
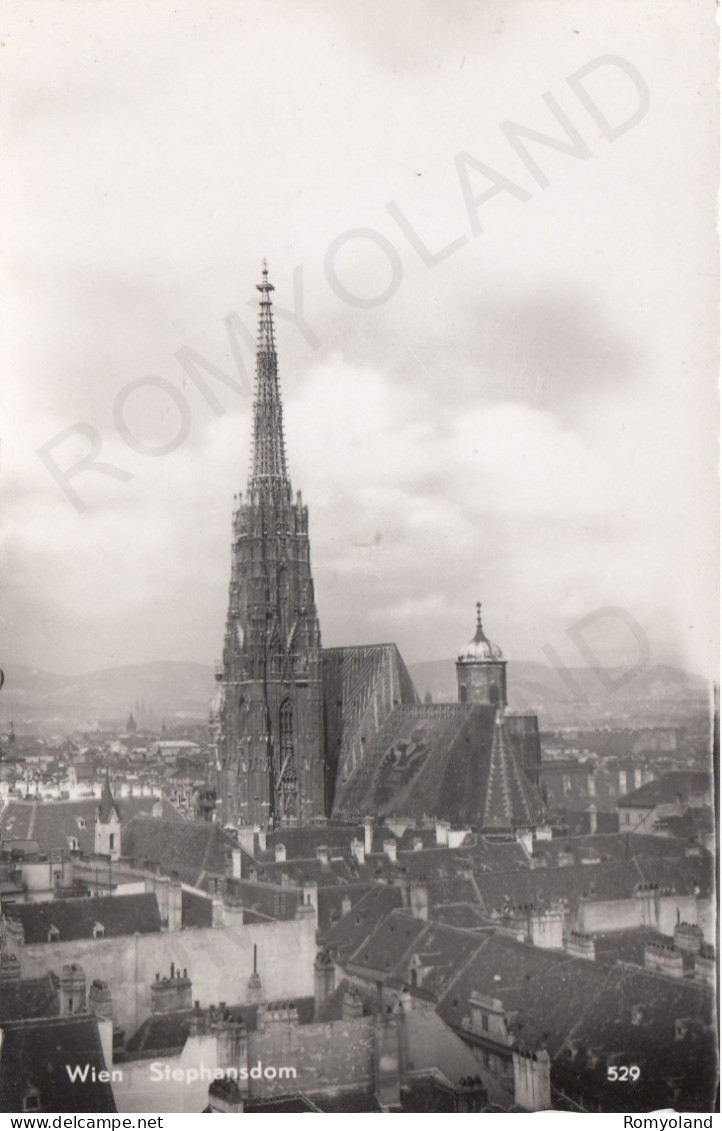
(624, 1072)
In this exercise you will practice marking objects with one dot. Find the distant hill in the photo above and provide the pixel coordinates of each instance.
(177, 690)
(173, 690)
(657, 696)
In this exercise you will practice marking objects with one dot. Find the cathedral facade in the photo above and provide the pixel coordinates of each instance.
(302, 733)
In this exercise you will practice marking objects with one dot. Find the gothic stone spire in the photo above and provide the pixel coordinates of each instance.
(269, 728)
(268, 465)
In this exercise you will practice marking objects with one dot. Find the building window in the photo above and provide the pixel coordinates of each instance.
(31, 1100)
(53, 935)
(485, 1022)
(494, 695)
(626, 818)
(111, 842)
(80, 822)
(462, 693)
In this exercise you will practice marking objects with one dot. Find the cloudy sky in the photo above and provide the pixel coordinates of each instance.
(498, 352)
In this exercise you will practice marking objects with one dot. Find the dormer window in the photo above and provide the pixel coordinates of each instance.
(80, 821)
(73, 843)
(53, 935)
(98, 931)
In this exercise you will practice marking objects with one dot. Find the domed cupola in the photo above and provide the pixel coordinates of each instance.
(479, 649)
(481, 669)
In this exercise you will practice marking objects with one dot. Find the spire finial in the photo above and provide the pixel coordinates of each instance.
(478, 614)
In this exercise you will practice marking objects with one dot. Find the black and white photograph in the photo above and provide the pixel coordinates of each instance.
(359, 631)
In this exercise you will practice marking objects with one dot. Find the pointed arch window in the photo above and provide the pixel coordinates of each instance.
(286, 729)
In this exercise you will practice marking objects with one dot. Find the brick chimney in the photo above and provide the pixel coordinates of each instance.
(175, 903)
(324, 979)
(100, 1000)
(665, 958)
(368, 835)
(72, 989)
(387, 1062)
(352, 1007)
(532, 1080)
(579, 945)
(358, 851)
(171, 993)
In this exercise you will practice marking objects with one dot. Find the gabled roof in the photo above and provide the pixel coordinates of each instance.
(347, 935)
(53, 824)
(29, 998)
(35, 1056)
(77, 918)
(678, 785)
(196, 850)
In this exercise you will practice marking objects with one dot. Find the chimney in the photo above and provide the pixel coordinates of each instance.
(368, 835)
(665, 958)
(352, 1007)
(100, 1000)
(255, 987)
(231, 1038)
(280, 853)
(532, 1080)
(358, 851)
(157, 810)
(247, 839)
(322, 853)
(579, 945)
(688, 937)
(324, 980)
(418, 844)
(217, 910)
(261, 840)
(236, 858)
(9, 969)
(705, 967)
(72, 990)
(171, 993)
(419, 898)
(387, 1062)
(442, 832)
(592, 811)
(225, 1097)
(390, 850)
(175, 903)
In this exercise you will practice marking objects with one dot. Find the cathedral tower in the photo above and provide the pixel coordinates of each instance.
(481, 670)
(269, 709)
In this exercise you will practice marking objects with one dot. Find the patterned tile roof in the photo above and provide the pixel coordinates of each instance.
(447, 761)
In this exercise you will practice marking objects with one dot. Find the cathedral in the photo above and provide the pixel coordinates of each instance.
(303, 734)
